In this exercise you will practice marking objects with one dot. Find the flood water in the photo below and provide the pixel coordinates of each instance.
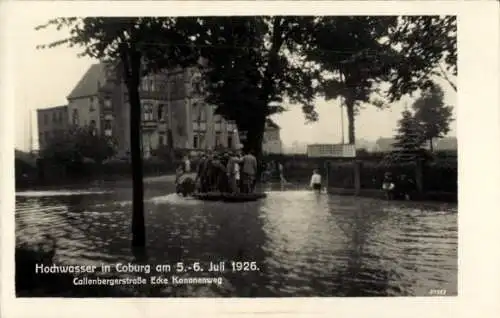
(305, 244)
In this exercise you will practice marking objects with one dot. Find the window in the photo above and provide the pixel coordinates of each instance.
(195, 141)
(45, 118)
(197, 86)
(148, 84)
(161, 140)
(92, 101)
(54, 117)
(199, 112)
(75, 119)
(201, 139)
(107, 124)
(107, 103)
(144, 84)
(217, 139)
(162, 85)
(230, 141)
(93, 127)
(162, 109)
(147, 112)
(108, 129)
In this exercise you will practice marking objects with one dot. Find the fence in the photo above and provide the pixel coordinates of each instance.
(437, 176)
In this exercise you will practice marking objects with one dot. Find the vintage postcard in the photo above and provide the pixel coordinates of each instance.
(299, 152)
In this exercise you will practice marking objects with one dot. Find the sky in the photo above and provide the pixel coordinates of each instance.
(43, 78)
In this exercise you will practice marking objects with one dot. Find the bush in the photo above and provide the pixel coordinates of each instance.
(441, 177)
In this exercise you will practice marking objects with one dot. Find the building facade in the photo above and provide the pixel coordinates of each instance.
(51, 121)
(174, 112)
(272, 138)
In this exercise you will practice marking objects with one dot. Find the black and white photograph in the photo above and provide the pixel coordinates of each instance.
(237, 155)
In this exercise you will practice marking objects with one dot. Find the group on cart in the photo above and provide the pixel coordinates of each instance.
(229, 171)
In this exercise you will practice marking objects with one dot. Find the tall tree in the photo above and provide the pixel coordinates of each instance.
(409, 138)
(432, 114)
(354, 59)
(252, 66)
(359, 53)
(427, 47)
(136, 46)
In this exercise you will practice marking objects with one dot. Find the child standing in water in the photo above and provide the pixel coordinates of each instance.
(316, 180)
(388, 186)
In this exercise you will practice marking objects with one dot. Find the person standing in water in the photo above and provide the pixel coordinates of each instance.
(316, 181)
(201, 174)
(233, 172)
(282, 175)
(187, 164)
(249, 170)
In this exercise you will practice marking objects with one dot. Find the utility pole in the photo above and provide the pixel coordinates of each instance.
(30, 132)
(342, 102)
(342, 119)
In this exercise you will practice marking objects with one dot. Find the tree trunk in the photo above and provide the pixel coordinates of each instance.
(131, 59)
(255, 135)
(431, 146)
(351, 121)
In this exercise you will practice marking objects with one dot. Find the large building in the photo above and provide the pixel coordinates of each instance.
(173, 112)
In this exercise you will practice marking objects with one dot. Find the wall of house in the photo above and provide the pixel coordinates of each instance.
(50, 122)
(82, 111)
(272, 141)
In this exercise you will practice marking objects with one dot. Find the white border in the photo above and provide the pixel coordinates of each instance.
(478, 139)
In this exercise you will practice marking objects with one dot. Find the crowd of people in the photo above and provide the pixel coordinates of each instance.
(229, 171)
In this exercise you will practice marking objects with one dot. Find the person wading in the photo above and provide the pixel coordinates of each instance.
(201, 174)
(233, 172)
(249, 170)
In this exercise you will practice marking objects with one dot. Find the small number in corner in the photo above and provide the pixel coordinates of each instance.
(437, 292)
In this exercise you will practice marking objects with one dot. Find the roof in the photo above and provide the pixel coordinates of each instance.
(89, 83)
(49, 109)
(272, 124)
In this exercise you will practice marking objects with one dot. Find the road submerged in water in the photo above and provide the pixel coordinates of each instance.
(294, 243)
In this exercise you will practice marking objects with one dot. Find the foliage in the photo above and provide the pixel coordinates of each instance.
(409, 138)
(427, 47)
(350, 50)
(432, 114)
(361, 53)
(77, 144)
(252, 66)
(254, 63)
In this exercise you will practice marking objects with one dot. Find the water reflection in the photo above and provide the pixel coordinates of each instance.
(305, 244)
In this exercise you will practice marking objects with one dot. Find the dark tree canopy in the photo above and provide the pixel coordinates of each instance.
(427, 47)
(353, 59)
(253, 64)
